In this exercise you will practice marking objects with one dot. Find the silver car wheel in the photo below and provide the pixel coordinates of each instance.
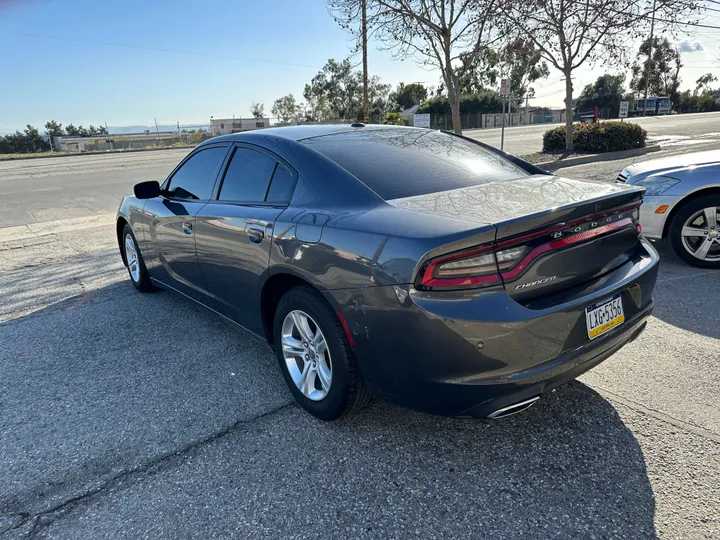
(306, 354)
(131, 256)
(701, 234)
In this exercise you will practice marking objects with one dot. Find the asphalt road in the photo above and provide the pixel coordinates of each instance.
(40, 190)
(125, 415)
(524, 140)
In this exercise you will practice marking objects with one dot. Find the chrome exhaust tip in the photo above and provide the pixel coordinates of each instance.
(513, 409)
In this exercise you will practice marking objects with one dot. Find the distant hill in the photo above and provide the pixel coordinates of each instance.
(119, 130)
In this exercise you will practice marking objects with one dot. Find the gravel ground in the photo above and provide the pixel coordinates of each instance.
(144, 416)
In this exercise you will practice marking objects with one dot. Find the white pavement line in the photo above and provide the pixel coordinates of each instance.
(33, 230)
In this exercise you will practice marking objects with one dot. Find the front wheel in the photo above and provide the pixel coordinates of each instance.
(134, 261)
(315, 356)
(694, 232)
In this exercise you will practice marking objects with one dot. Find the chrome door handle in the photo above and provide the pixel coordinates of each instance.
(256, 235)
(187, 227)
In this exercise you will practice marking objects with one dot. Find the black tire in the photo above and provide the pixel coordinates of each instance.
(142, 283)
(348, 392)
(675, 229)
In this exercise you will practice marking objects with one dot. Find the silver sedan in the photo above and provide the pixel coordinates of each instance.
(682, 204)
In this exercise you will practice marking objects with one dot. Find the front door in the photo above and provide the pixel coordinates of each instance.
(235, 231)
(171, 218)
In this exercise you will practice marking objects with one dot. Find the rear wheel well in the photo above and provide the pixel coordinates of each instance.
(686, 200)
(119, 226)
(273, 290)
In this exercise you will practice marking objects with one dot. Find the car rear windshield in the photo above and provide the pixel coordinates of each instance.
(399, 163)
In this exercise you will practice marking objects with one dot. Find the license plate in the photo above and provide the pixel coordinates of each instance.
(604, 316)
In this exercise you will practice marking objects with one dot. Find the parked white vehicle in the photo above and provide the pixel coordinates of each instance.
(682, 204)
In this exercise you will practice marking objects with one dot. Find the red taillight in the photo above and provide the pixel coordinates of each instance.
(564, 242)
(492, 264)
(477, 267)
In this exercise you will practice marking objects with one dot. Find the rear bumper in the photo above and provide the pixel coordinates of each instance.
(472, 352)
(563, 369)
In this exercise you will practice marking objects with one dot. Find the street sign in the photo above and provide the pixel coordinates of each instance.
(624, 107)
(505, 87)
(421, 120)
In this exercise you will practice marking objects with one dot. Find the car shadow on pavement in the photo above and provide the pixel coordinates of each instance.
(100, 385)
(685, 296)
(568, 467)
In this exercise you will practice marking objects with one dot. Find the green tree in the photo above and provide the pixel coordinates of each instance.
(664, 69)
(35, 141)
(72, 131)
(408, 95)
(394, 118)
(338, 87)
(606, 92)
(478, 71)
(29, 141)
(572, 34)
(487, 102)
(257, 110)
(434, 33)
(705, 81)
(522, 62)
(53, 129)
(336, 92)
(378, 98)
(285, 109)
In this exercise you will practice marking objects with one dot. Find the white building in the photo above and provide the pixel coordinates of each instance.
(223, 126)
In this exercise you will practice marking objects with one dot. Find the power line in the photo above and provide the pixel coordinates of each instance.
(696, 25)
(156, 49)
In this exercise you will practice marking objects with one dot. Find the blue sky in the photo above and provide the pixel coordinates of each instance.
(277, 46)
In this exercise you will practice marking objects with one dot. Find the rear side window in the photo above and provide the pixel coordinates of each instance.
(282, 186)
(399, 163)
(195, 178)
(247, 176)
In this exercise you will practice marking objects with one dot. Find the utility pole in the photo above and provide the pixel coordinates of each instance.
(156, 126)
(365, 67)
(647, 68)
(502, 132)
(527, 115)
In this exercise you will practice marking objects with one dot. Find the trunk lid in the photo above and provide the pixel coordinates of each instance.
(570, 231)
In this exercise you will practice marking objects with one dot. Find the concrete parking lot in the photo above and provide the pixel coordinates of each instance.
(125, 415)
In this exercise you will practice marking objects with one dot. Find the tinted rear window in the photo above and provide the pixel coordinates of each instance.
(398, 163)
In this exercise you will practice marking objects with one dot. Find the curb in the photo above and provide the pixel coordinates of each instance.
(607, 156)
(99, 152)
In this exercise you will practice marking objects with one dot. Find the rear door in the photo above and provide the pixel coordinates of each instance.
(171, 219)
(234, 231)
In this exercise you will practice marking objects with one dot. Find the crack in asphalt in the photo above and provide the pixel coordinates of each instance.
(690, 427)
(43, 519)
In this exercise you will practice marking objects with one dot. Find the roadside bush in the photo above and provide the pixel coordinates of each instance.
(598, 137)
(394, 118)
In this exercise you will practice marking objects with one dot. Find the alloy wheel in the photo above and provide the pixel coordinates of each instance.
(701, 234)
(132, 258)
(306, 354)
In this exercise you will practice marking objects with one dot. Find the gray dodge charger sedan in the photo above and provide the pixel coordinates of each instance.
(419, 266)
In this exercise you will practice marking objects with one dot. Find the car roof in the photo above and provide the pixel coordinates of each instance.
(298, 133)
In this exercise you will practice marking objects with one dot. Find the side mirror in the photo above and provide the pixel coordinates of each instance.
(147, 190)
